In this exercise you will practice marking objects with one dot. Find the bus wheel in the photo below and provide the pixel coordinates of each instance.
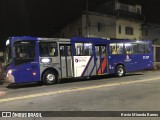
(49, 78)
(120, 71)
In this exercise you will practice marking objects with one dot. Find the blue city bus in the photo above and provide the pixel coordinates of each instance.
(47, 60)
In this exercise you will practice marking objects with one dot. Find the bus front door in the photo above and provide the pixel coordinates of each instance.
(101, 59)
(66, 61)
(25, 62)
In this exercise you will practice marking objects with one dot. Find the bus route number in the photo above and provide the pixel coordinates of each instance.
(145, 57)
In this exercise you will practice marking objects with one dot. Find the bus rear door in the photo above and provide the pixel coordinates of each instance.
(101, 59)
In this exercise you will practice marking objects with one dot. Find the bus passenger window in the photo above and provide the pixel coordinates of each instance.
(79, 48)
(52, 52)
(113, 48)
(147, 48)
(84, 49)
(143, 48)
(119, 48)
(65, 50)
(87, 49)
(48, 49)
(129, 48)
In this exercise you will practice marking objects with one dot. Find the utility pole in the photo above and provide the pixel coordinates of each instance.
(87, 20)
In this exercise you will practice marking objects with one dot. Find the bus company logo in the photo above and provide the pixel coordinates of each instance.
(127, 59)
(76, 60)
(80, 60)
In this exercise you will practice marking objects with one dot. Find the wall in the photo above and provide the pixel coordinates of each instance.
(132, 8)
(72, 29)
(153, 32)
(137, 32)
(108, 28)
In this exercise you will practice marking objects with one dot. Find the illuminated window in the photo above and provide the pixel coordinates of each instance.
(84, 49)
(48, 49)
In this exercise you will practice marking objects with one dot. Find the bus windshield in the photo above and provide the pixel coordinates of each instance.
(8, 57)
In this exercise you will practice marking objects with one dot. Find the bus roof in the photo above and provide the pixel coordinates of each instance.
(74, 39)
(102, 40)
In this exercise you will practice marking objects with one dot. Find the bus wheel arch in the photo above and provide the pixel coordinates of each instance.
(120, 70)
(50, 76)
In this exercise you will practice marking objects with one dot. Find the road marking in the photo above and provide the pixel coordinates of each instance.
(74, 89)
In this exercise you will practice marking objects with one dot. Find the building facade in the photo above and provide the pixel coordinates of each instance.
(115, 19)
(152, 32)
(111, 20)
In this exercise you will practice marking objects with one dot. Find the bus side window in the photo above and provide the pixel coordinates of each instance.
(48, 49)
(65, 50)
(119, 48)
(143, 48)
(43, 51)
(87, 49)
(113, 48)
(52, 52)
(79, 48)
(114, 51)
(129, 48)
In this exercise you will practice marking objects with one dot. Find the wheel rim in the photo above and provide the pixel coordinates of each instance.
(50, 77)
(120, 71)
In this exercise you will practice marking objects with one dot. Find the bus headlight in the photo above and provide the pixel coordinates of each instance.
(9, 71)
(10, 77)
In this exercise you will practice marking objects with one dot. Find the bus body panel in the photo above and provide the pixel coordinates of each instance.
(26, 72)
(68, 64)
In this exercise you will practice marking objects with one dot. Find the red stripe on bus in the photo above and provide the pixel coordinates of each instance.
(103, 66)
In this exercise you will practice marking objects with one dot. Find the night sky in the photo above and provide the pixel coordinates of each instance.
(43, 17)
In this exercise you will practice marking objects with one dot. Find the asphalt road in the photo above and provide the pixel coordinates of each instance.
(138, 91)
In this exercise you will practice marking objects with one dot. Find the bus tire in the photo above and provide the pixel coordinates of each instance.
(120, 71)
(49, 78)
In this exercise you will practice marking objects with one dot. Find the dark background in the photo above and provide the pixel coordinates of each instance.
(44, 17)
